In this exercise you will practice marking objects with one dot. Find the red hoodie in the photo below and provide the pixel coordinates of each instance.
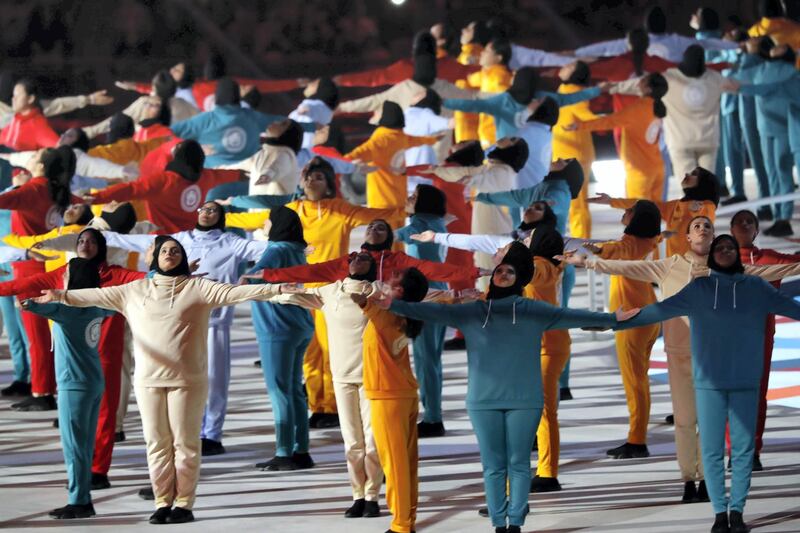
(170, 199)
(154, 131)
(388, 262)
(28, 131)
(447, 69)
(32, 210)
(32, 286)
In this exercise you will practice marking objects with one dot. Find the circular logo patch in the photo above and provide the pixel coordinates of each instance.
(398, 162)
(651, 135)
(52, 218)
(190, 197)
(695, 95)
(234, 139)
(92, 333)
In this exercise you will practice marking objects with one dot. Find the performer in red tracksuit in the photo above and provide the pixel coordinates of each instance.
(29, 129)
(173, 195)
(37, 207)
(92, 246)
(744, 228)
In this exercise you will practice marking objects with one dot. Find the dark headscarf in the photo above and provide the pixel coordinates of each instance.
(572, 174)
(123, 218)
(515, 155)
(188, 160)
(548, 219)
(431, 101)
(183, 267)
(736, 267)
(424, 44)
(215, 67)
(187, 79)
(86, 215)
(482, 35)
(467, 154)
(646, 220)
(546, 113)
(693, 63)
(285, 226)
(327, 92)
(547, 242)
(227, 92)
(59, 167)
(709, 19)
(658, 88)
(707, 188)
(120, 127)
(219, 224)
(320, 164)
(770, 9)
(639, 42)
(581, 75)
(392, 116)
(164, 85)
(252, 98)
(424, 69)
(519, 257)
(102, 246)
(287, 133)
(523, 88)
(81, 140)
(415, 288)
(385, 245)
(83, 274)
(430, 201)
(336, 138)
(164, 116)
(371, 275)
(656, 20)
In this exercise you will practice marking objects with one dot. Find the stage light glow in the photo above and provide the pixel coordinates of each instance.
(398, 2)
(610, 176)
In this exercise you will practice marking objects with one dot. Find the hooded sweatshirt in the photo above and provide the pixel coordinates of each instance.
(32, 210)
(28, 131)
(169, 318)
(732, 358)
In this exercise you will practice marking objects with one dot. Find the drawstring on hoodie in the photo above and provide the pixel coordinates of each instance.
(319, 211)
(734, 294)
(172, 294)
(716, 290)
(514, 313)
(380, 268)
(489, 312)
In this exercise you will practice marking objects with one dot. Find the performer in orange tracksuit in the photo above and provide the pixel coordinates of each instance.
(494, 77)
(642, 229)
(391, 388)
(700, 198)
(385, 149)
(569, 144)
(474, 37)
(640, 124)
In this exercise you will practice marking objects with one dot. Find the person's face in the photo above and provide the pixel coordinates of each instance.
(411, 202)
(534, 213)
(311, 88)
(700, 235)
(566, 71)
(504, 276)
(177, 71)
(725, 253)
(20, 100)
(208, 214)
(690, 180)
(315, 186)
(437, 30)
(377, 232)
(489, 57)
(744, 229)
(505, 142)
(627, 216)
(68, 138)
(169, 256)
(74, 212)
(360, 265)
(468, 33)
(87, 246)
(152, 107)
(396, 287)
(643, 86)
(694, 20)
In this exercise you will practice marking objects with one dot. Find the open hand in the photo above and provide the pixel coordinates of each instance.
(425, 236)
(622, 316)
(572, 258)
(101, 98)
(126, 85)
(39, 256)
(601, 198)
(49, 295)
(291, 288)
(592, 248)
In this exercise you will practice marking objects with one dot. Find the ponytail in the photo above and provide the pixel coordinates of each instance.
(639, 42)
(59, 167)
(658, 88)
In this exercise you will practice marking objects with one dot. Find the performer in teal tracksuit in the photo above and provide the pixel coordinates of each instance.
(76, 332)
(283, 333)
(558, 189)
(504, 386)
(427, 207)
(727, 367)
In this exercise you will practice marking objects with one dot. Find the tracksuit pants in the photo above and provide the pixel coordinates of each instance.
(219, 379)
(43, 371)
(778, 162)
(112, 338)
(17, 340)
(363, 463)
(428, 346)
(548, 435)
(317, 369)
(633, 353)
(77, 421)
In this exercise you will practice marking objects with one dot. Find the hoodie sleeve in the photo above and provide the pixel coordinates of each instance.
(450, 314)
(261, 201)
(97, 167)
(64, 104)
(246, 249)
(52, 311)
(62, 243)
(650, 271)
(773, 272)
(367, 151)
(679, 304)
(33, 285)
(522, 56)
(439, 271)
(9, 254)
(108, 298)
(613, 47)
(143, 188)
(513, 198)
(329, 271)
(246, 221)
(192, 128)
(564, 317)
(356, 215)
(564, 100)
(370, 103)
(132, 243)
(221, 294)
(623, 118)
(474, 243)
(781, 303)
(490, 106)
(394, 73)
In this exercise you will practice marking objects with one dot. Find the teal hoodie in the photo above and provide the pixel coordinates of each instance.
(424, 250)
(726, 317)
(76, 334)
(503, 338)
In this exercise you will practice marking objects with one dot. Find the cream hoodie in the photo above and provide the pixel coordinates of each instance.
(278, 163)
(168, 317)
(672, 274)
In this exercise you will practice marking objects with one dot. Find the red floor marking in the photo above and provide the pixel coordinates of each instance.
(784, 392)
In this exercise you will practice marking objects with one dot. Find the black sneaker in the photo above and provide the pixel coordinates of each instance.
(36, 403)
(211, 447)
(501, 529)
(737, 523)
(161, 515)
(669, 420)
(484, 512)
(179, 515)
(119, 436)
(456, 343)
(257, 363)
(781, 228)
(535, 447)
(720, 524)
(545, 484)
(328, 420)
(702, 492)
(147, 494)
(689, 492)
(55, 423)
(734, 200)
(17, 388)
(724, 192)
(513, 529)
(277, 464)
(356, 510)
(764, 213)
(427, 430)
(757, 467)
(303, 461)
(629, 451)
(313, 420)
(100, 481)
(564, 394)
(73, 511)
(371, 510)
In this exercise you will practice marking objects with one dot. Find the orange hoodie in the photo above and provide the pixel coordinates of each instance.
(546, 287)
(493, 79)
(466, 124)
(387, 367)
